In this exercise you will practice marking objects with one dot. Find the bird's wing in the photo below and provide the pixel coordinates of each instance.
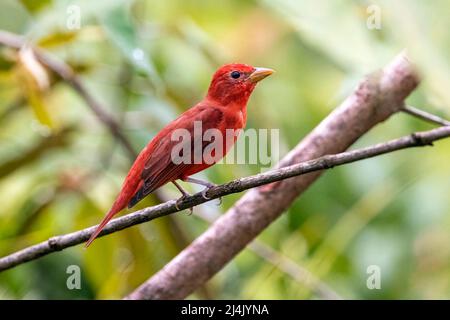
(160, 167)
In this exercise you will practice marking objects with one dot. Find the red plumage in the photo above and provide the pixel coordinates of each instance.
(223, 108)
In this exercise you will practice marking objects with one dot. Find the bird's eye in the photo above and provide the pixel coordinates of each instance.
(235, 74)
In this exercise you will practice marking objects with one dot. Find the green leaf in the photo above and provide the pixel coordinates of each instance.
(34, 6)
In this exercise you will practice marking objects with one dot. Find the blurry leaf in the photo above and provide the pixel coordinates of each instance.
(11, 108)
(9, 89)
(356, 219)
(35, 82)
(5, 63)
(123, 34)
(197, 37)
(14, 16)
(57, 39)
(262, 284)
(29, 212)
(34, 67)
(36, 152)
(99, 262)
(344, 37)
(34, 6)
(38, 105)
(419, 36)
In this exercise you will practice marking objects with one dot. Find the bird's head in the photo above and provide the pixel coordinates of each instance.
(233, 83)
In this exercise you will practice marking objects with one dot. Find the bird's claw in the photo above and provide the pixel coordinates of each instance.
(209, 186)
(208, 198)
(204, 193)
(177, 203)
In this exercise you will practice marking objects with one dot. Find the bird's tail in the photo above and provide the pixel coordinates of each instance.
(111, 213)
(128, 190)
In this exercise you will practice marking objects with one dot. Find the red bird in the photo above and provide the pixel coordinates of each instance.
(224, 107)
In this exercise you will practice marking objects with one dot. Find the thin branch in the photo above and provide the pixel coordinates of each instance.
(59, 243)
(64, 71)
(429, 117)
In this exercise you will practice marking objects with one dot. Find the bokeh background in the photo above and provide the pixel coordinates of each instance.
(147, 61)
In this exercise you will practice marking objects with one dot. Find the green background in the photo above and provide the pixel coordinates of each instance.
(148, 61)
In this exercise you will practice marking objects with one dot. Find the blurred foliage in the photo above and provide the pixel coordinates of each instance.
(148, 61)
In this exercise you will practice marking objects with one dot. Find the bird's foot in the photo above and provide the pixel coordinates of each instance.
(181, 199)
(208, 185)
(185, 194)
(206, 190)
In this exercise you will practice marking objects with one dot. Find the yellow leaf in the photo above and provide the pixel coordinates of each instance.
(34, 82)
(57, 39)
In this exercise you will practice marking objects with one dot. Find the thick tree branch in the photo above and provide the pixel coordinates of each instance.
(376, 98)
(59, 243)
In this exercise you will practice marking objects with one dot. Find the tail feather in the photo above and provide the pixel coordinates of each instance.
(128, 190)
(102, 224)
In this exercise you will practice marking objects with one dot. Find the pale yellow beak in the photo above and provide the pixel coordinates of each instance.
(259, 74)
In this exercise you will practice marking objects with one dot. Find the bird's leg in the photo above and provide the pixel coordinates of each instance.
(184, 195)
(206, 184)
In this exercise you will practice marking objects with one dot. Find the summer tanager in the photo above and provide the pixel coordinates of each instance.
(224, 107)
